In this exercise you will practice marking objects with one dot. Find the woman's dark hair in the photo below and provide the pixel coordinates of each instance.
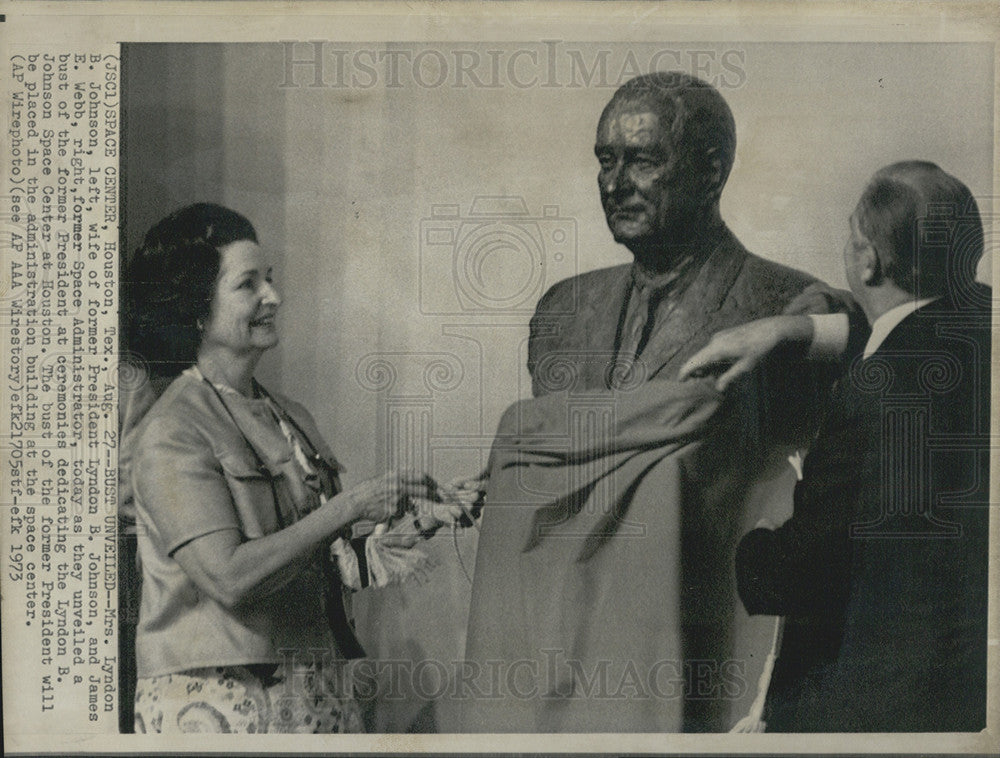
(170, 284)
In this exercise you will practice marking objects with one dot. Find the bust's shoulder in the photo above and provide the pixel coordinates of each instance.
(764, 284)
(588, 284)
(761, 271)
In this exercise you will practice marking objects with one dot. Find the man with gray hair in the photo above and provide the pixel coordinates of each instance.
(882, 568)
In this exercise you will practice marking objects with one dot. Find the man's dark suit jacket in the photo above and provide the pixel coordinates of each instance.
(882, 569)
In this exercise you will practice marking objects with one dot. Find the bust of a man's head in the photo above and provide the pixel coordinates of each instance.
(665, 143)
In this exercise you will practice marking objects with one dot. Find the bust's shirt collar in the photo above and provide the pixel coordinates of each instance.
(681, 273)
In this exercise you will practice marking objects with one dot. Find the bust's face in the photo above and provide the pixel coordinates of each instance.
(646, 193)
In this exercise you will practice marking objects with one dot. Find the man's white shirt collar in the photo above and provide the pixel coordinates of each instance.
(889, 320)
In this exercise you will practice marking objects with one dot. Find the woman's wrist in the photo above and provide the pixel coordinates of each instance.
(343, 509)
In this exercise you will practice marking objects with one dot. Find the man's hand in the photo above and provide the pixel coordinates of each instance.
(738, 351)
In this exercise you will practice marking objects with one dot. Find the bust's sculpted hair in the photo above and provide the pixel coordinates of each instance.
(700, 123)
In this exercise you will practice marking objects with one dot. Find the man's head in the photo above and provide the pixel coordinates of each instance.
(666, 143)
(914, 229)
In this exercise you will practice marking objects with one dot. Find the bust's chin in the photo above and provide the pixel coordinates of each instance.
(628, 234)
(639, 244)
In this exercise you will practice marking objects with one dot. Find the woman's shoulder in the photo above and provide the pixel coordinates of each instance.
(183, 411)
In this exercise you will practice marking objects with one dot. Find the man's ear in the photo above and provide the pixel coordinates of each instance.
(871, 268)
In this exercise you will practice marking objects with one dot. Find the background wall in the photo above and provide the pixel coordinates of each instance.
(404, 327)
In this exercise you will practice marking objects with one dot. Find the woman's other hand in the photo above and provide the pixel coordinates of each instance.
(456, 504)
(452, 503)
(470, 494)
(388, 496)
(443, 511)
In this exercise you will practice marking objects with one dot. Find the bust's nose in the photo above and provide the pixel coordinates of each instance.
(616, 181)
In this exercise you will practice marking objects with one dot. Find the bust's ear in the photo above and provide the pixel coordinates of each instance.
(713, 173)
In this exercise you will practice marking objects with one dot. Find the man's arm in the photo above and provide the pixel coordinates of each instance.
(820, 325)
(736, 352)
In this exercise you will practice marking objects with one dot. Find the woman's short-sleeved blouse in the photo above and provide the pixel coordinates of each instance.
(193, 474)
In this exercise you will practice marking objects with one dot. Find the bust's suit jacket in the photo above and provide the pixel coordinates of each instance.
(576, 323)
(882, 569)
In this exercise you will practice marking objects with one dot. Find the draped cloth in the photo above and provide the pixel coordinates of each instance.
(604, 588)
(603, 599)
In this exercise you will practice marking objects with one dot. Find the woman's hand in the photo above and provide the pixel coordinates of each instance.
(474, 487)
(388, 496)
(451, 503)
(470, 494)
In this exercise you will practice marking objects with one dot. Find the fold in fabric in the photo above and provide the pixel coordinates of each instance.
(579, 583)
(388, 564)
(385, 564)
(654, 414)
(642, 427)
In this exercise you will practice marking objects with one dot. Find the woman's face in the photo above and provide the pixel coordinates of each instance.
(241, 319)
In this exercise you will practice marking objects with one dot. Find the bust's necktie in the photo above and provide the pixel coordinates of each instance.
(638, 321)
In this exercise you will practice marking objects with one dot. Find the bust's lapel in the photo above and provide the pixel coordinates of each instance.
(585, 335)
(601, 327)
(601, 323)
(697, 311)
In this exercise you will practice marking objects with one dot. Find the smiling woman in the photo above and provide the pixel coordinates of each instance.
(244, 534)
